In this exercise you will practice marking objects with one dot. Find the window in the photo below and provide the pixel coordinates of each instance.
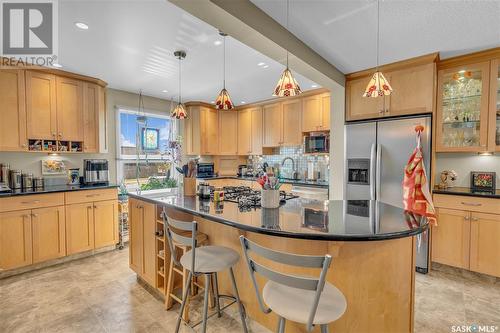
(145, 149)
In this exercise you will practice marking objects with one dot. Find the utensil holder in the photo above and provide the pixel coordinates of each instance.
(270, 198)
(190, 186)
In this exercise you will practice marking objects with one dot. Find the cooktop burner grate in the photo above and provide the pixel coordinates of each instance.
(247, 197)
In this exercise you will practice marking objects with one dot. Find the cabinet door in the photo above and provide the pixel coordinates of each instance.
(105, 223)
(462, 108)
(149, 243)
(485, 243)
(192, 131)
(13, 115)
(93, 103)
(271, 125)
(79, 227)
(413, 91)
(244, 132)
(450, 239)
(359, 107)
(41, 106)
(228, 133)
(15, 239)
(291, 126)
(311, 114)
(256, 131)
(69, 109)
(325, 112)
(494, 108)
(210, 132)
(49, 233)
(135, 235)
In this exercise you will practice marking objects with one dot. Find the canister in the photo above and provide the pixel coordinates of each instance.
(15, 179)
(27, 181)
(38, 182)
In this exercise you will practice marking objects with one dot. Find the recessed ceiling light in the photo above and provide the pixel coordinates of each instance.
(164, 91)
(217, 42)
(261, 64)
(213, 102)
(243, 102)
(57, 65)
(81, 25)
(265, 66)
(314, 86)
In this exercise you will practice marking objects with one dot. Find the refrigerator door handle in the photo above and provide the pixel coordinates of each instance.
(378, 171)
(373, 156)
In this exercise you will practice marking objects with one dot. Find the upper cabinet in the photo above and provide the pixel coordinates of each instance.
(13, 115)
(250, 131)
(271, 119)
(69, 109)
(413, 87)
(93, 115)
(468, 103)
(201, 130)
(316, 113)
(41, 108)
(291, 127)
(228, 132)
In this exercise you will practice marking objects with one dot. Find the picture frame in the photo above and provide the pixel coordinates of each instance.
(150, 138)
(483, 181)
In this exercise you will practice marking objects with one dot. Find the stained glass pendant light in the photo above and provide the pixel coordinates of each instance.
(179, 111)
(223, 101)
(378, 85)
(287, 86)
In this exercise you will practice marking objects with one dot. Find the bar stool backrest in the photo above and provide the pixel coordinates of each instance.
(300, 282)
(173, 227)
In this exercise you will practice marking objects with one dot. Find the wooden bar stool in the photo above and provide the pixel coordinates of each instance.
(177, 270)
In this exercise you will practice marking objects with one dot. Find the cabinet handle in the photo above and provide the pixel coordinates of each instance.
(30, 202)
(95, 207)
(381, 111)
(60, 134)
(386, 111)
(466, 218)
(24, 145)
(471, 204)
(53, 134)
(89, 207)
(26, 216)
(34, 215)
(474, 219)
(92, 195)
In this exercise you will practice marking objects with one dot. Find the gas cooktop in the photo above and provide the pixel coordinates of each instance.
(248, 198)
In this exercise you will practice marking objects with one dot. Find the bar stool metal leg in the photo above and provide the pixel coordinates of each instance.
(205, 303)
(183, 305)
(237, 296)
(281, 325)
(324, 328)
(216, 292)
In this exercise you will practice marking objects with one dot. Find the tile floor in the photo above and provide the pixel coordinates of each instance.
(100, 294)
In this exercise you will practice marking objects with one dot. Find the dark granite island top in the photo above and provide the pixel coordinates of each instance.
(333, 220)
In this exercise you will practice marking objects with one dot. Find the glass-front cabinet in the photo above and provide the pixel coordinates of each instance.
(462, 108)
(494, 129)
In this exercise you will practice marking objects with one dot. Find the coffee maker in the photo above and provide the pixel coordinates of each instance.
(95, 172)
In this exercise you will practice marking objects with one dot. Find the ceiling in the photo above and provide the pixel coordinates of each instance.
(344, 31)
(130, 45)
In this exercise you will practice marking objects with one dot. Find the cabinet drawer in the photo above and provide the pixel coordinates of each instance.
(31, 201)
(473, 204)
(91, 195)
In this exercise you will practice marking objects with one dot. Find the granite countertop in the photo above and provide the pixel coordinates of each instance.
(335, 220)
(467, 192)
(56, 188)
(300, 182)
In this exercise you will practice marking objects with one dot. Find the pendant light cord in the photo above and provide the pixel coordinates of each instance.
(179, 79)
(378, 31)
(224, 65)
(287, 10)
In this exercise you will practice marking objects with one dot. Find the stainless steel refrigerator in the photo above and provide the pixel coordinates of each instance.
(376, 154)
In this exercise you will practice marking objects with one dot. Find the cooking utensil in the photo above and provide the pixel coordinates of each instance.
(179, 170)
(185, 170)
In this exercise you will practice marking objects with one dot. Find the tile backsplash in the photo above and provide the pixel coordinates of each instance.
(301, 160)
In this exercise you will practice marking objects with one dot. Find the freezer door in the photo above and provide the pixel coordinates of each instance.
(396, 142)
(360, 149)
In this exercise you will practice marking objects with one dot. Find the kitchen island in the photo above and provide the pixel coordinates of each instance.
(371, 243)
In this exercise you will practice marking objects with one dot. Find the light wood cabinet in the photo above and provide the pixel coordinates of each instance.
(201, 130)
(359, 107)
(451, 237)
(316, 113)
(49, 233)
(256, 135)
(79, 227)
(250, 131)
(210, 131)
(228, 133)
(13, 114)
(105, 226)
(325, 112)
(271, 125)
(485, 244)
(41, 108)
(15, 239)
(142, 240)
(494, 107)
(93, 107)
(291, 128)
(69, 109)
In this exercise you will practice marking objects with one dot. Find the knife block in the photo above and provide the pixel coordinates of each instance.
(189, 186)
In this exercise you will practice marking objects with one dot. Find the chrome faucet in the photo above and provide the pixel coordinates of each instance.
(295, 174)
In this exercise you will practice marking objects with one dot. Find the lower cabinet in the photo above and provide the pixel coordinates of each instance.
(79, 227)
(15, 239)
(49, 233)
(468, 240)
(142, 241)
(105, 228)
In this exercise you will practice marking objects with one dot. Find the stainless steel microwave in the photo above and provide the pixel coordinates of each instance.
(317, 143)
